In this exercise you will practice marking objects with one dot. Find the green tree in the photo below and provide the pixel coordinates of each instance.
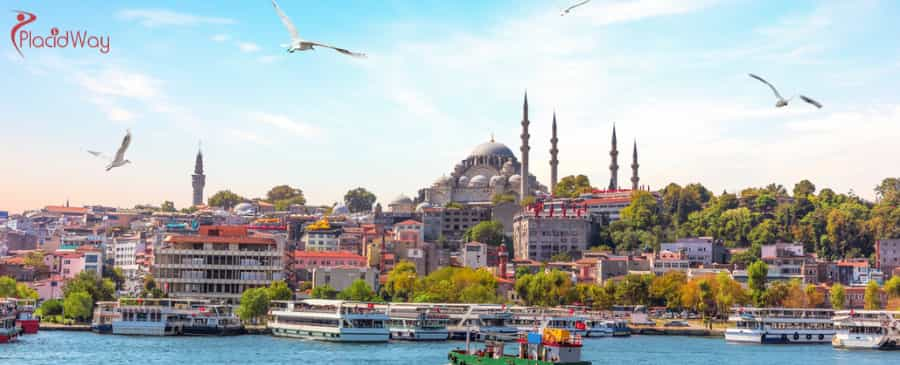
(666, 289)
(51, 307)
(873, 296)
(359, 200)
(400, 285)
(892, 287)
(837, 296)
(804, 188)
(489, 232)
(7, 287)
(889, 190)
(757, 273)
(279, 290)
(764, 233)
(167, 206)
(359, 291)
(546, 289)
(643, 212)
(254, 304)
(35, 259)
(26, 292)
(572, 186)
(225, 199)
(283, 192)
(634, 289)
(324, 292)
(100, 289)
(78, 305)
(561, 257)
(115, 274)
(497, 199)
(522, 271)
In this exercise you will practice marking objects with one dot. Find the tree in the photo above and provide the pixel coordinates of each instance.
(283, 192)
(489, 232)
(401, 282)
(837, 296)
(100, 289)
(78, 305)
(873, 295)
(254, 304)
(892, 287)
(498, 199)
(115, 274)
(167, 206)
(666, 289)
(359, 291)
(7, 287)
(225, 199)
(522, 271)
(572, 186)
(359, 200)
(324, 292)
(561, 257)
(634, 289)
(546, 289)
(889, 190)
(643, 212)
(35, 259)
(279, 290)
(804, 188)
(26, 292)
(51, 307)
(756, 281)
(457, 284)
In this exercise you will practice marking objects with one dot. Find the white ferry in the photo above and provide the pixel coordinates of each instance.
(529, 319)
(480, 321)
(867, 329)
(166, 317)
(104, 315)
(329, 320)
(414, 323)
(9, 332)
(606, 328)
(781, 326)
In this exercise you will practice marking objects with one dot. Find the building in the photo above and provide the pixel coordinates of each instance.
(610, 267)
(451, 223)
(219, 263)
(409, 231)
(340, 278)
(490, 169)
(321, 236)
(887, 255)
(669, 261)
(124, 254)
(476, 254)
(782, 250)
(198, 180)
(539, 237)
(857, 272)
(698, 250)
(304, 262)
(401, 205)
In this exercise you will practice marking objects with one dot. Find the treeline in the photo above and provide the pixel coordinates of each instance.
(445, 285)
(830, 224)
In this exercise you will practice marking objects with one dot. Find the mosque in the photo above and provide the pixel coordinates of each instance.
(492, 169)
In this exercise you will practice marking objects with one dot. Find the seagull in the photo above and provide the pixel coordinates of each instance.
(567, 10)
(96, 153)
(120, 160)
(781, 100)
(298, 44)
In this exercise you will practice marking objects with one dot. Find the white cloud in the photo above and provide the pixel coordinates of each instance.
(163, 17)
(117, 82)
(286, 123)
(248, 47)
(247, 136)
(611, 12)
(221, 37)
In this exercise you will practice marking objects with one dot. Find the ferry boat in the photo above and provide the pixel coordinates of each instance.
(413, 323)
(781, 326)
(168, 317)
(868, 329)
(329, 320)
(482, 321)
(532, 319)
(550, 347)
(104, 315)
(25, 319)
(9, 332)
(607, 328)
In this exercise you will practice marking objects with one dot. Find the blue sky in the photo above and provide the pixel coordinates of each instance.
(441, 77)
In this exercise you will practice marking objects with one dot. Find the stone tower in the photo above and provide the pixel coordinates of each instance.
(524, 189)
(554, 162)
(614, 165)
(634, 168)
(198, 179)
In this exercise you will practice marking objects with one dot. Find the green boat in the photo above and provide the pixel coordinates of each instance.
(554, 347)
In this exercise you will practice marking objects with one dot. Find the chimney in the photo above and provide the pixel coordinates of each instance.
(502, 256)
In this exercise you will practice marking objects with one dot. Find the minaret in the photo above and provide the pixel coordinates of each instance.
(523, 191)
(554, 162)
(198, 180)
(634, 168)
(614, 165)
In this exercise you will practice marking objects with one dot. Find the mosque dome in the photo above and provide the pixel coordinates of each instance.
(443, 180)
(244, 208)
(422, 206)
(463, 181)
(492, 149)
(498, 180)
(340, 209)
(401, 199)
(478, 181)
(515, 180)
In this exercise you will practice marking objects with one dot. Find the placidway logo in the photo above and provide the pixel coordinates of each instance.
(22, 38)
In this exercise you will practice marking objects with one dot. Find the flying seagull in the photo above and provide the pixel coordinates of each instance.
(567, 10)
(781, 100)
(298, 44)
(120, 160)
(95, 153)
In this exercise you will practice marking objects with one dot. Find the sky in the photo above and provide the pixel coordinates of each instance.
(441, 77)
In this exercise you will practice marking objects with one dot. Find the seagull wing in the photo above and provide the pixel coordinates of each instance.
(341, 50)
(767, 83)
(811, 101)
(287, 22)
(95, 153)
(120, 154)
(576, 5)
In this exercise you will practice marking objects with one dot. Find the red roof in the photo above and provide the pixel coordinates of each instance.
(597, 201)
(218, 239)
(327, 254)
(65, 210)
(853, 263)
(409, 222)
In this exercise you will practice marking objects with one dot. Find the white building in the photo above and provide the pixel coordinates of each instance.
(475, 255)
(124, 253)
(697, 250)
(322, 240)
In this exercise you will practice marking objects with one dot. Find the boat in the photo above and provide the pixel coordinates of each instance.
(9, 332)
(481, 321)
(104, 315)
(25, 318)
(781, 326)
(867, 329)
(549, 347)
(328, 320)
(168, 317)
(413, 323)
(531, 319)
(606, 328)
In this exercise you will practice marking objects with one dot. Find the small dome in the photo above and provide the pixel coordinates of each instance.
(443, 180)
(463, 181)
(244, 208)
(402, 199)
(478, 181)
(498, 180)
(340, 209)
(492, 149)
(508, 168)
(422, 206)
(515, 180)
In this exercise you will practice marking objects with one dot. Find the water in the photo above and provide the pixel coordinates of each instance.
(81, 348)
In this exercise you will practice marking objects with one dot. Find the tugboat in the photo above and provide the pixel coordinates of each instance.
(25, 318)
(552, 347)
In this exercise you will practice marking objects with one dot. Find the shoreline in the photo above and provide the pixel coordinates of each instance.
(676, 331)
